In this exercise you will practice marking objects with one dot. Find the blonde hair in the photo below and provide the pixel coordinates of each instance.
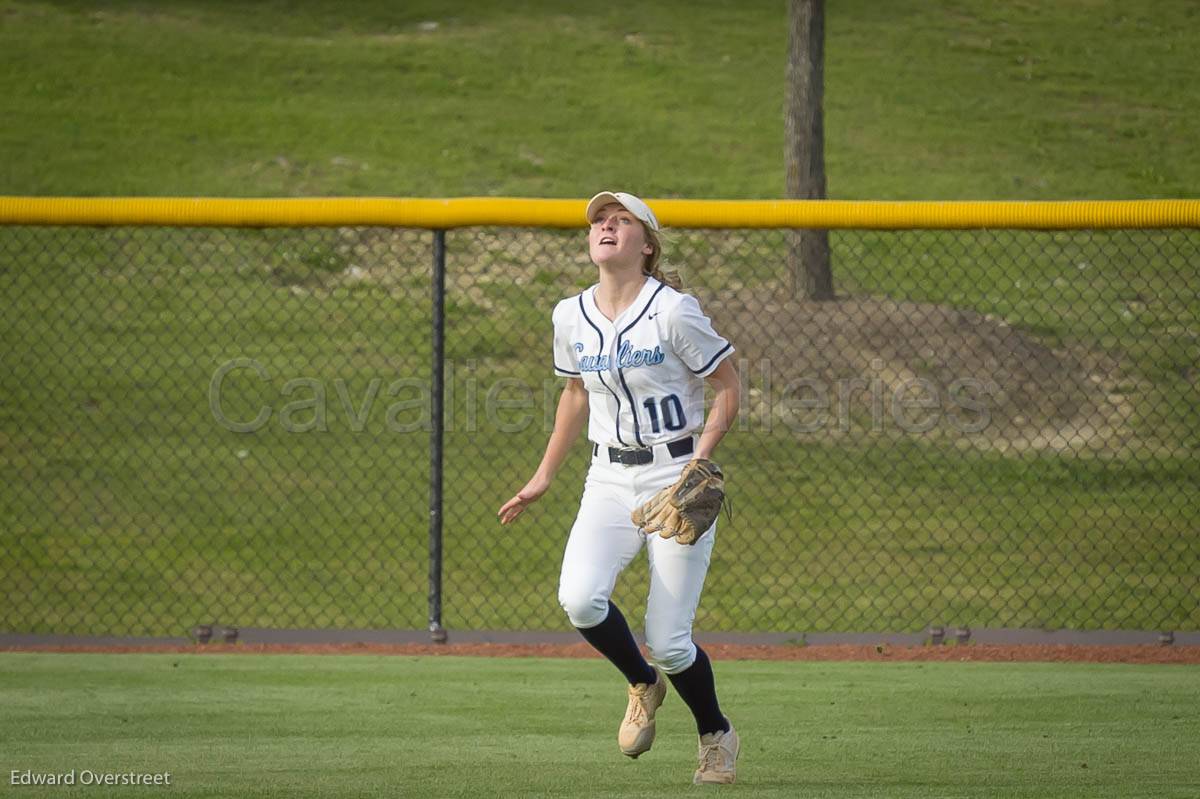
(650, 264)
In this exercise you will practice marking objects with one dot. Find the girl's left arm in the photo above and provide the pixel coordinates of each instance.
(728, 396)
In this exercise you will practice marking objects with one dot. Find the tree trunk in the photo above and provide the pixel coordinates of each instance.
(804, 133)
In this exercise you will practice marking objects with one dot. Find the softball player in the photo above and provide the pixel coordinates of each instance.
(635, 352)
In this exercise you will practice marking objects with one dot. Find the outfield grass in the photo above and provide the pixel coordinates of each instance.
(231, 725)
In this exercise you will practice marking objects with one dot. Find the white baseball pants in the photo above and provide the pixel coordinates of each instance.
(604, 541)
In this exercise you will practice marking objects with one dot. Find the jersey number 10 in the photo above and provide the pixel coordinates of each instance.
(672, 413)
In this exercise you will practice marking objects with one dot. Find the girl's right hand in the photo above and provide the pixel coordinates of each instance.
(528, 495)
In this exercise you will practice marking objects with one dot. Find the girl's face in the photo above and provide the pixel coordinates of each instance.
(617, 238)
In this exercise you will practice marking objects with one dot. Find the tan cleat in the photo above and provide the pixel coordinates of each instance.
(637, 728)
(718, 758)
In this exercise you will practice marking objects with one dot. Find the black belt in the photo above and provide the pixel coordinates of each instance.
(639, 456)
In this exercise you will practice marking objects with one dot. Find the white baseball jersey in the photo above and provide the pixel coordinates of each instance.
(645, 370)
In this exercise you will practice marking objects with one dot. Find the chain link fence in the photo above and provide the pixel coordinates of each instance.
(989, 428)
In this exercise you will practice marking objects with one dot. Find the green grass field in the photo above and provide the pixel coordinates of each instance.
(129, 510)
(283, 725)
(962, 100)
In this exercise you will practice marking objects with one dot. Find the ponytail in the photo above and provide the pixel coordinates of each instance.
(650, 265)
(671, 278)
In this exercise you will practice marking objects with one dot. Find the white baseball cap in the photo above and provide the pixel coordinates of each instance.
(630, 203)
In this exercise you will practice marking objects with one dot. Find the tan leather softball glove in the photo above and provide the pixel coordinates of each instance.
(684, 511)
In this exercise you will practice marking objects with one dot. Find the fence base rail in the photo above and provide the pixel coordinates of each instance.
(250, 636)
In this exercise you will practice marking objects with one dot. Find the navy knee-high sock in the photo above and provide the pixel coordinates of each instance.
(698, 689)
(613, 639)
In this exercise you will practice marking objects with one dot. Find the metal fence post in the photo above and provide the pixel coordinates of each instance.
(436, 631)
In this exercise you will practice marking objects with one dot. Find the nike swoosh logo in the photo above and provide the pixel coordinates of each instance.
(651, 316)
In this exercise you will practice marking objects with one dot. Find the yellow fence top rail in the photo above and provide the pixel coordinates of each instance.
(515, 212)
